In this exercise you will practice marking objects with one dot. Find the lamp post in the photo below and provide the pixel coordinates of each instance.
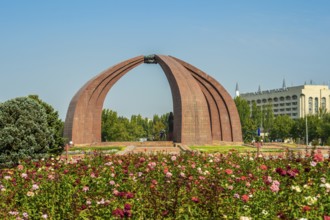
(306, 132)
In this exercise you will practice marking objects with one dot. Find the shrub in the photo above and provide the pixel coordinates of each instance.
(24, 132)
(55, 124)
(165, 186)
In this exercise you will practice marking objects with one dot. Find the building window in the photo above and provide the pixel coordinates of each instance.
(294, 114)
(282, 104)
(294, 109)
(270, 100)
(258, 101)
(282, 98)
(275, 105)
(275, 99)
(282, 109)
(288, 104)
(288, 109)
(294, 97)
(310, 105)
(316, 110)
(288, 98)
(323, 103)
(275, 110)
(294, 103)
(264, 100)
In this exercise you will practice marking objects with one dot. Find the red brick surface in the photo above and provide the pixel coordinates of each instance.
(203, 109)
(226, 117)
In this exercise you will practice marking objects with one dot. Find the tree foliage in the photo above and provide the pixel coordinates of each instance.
(24, 131)
(267, 118)
(256, 115)
(282, 126)
(324, 129)
(55, 124)
(249, 126)
(298, 131)
(117, 128)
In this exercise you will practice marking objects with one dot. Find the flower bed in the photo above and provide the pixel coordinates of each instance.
(186, 186)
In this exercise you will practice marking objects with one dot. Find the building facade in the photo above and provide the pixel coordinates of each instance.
(296, 101)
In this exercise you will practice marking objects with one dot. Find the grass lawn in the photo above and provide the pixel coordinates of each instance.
(97, 148)
(223, 149)
(289, 145)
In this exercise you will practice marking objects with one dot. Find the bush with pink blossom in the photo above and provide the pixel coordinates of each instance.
(161, 186)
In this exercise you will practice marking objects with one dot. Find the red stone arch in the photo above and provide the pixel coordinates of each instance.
(203, 110)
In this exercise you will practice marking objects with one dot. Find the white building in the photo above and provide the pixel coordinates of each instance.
(296, 101)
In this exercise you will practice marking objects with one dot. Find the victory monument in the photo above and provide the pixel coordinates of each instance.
(204, 112)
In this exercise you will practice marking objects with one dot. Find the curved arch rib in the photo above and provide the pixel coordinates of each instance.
(83, 120)
(230, 122)
(191, 115)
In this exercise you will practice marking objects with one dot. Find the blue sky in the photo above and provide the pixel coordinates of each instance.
(51, 48)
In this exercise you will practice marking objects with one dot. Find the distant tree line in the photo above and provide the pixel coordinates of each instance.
(282, 127)
(119, 128)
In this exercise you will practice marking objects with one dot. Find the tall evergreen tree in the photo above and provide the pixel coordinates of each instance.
(55, 125)
(24, 131)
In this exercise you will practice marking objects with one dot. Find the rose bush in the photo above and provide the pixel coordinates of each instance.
(162, 186)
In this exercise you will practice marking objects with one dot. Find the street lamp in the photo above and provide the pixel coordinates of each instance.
(306, 132)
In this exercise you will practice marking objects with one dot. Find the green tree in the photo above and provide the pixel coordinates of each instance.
(256, 115)
(281, 128)
(298, 131)
(158, 126)
(317, 128)
(147, 126)
(24, 131)
(55, 124)
(267, 118)
(243, 109)
(116, 128)
(122, 130)
(249, 131)
(249, 127)
(325, 129)
(314, 125)
(136, 127)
